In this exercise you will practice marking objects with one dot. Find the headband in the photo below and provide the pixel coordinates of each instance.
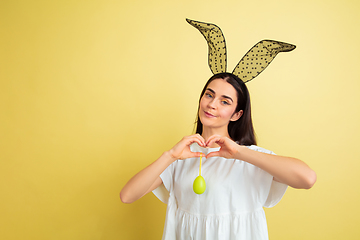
(254, 61)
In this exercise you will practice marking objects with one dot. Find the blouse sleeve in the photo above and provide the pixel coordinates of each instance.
(277, 190)
(163, 191)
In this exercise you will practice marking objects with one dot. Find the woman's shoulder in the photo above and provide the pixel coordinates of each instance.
(260, 149)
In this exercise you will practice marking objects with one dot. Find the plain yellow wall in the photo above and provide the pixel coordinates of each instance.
(93, 91)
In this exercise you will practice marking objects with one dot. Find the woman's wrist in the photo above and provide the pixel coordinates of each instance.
(240, 152)
(169, 156)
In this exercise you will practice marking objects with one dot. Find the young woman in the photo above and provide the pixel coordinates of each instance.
(241, 178)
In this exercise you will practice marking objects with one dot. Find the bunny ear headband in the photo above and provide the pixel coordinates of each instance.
(254, 61)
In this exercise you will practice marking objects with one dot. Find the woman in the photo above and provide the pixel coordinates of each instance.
(241, 178)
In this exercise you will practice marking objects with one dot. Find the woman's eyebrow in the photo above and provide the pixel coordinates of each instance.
(209, 89)
(224, 96)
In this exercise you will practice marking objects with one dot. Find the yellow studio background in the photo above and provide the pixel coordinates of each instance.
(93, 91)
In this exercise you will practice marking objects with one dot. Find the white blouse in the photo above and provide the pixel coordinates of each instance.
(231, 206)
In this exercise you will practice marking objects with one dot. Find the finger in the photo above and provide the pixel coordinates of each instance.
(192, 155)
(213, 154)
(215, 139)
(198, 139)
(201, 137)
(211, 139)
(203, 143)
(188, 140)
(198, 154)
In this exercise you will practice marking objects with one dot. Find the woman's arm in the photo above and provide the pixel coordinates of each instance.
(146, 180)
(287, 170)
(149, 178)
(290, 171)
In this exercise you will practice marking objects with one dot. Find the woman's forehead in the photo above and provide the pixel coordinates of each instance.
(222, 87)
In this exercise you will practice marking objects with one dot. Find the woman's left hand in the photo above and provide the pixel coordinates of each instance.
(228, 148)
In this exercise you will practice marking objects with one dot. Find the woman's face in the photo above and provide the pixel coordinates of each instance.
(218, 104)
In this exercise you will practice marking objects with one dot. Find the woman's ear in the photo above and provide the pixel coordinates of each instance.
(236, 116)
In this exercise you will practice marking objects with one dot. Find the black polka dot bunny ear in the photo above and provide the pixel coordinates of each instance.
(259, 57)
(254, 61)
(216, 43)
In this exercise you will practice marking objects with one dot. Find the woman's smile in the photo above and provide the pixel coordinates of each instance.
(209, 115)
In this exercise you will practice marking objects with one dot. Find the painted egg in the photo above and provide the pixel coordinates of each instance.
(199, 185)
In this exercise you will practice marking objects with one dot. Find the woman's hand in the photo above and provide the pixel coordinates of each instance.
(228, 148)
(182, 149)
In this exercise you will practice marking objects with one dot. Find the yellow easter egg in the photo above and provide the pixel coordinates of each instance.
(199, 185)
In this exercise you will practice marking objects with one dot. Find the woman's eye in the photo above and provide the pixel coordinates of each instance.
(225, 102)
(208, 95)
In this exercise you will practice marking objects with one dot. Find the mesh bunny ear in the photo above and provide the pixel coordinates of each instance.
(254, 61)
(259, 57)
(216, 43)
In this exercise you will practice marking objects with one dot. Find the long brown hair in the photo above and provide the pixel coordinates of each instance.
(242, 130)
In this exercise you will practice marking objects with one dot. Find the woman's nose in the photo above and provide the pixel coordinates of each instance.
(212, 104)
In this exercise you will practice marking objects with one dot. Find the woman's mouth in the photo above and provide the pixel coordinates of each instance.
(209, 115)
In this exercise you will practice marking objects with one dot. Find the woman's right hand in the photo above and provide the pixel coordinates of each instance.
(182, 149)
